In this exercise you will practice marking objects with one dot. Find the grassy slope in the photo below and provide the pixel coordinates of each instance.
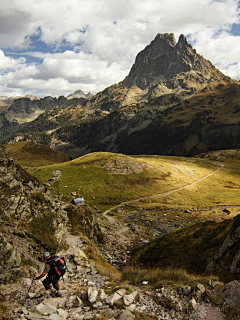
(34, 154)
(187, 248)
(87, 177)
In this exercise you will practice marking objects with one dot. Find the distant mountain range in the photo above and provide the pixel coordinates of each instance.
(79, 94)
(173, 102)
(18, 110)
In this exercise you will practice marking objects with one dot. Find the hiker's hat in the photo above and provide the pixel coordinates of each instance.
(46, 254)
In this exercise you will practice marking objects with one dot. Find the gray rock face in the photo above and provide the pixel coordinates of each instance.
(228, 252)
(231, 294)
(163, 59)
(26, 110)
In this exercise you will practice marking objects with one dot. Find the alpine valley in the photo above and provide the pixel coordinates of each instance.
(156, 162)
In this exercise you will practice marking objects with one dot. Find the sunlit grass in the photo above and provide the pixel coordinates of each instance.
(87, 177)
(32, 154)
(157, 277)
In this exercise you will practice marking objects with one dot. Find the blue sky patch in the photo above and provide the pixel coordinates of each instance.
(235, 29)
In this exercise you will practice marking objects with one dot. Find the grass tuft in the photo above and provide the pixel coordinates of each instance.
(102, 266)
(158, 277)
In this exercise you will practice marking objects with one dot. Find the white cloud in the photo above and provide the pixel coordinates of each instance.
(7, 63)
(104, 37)
(63, 73)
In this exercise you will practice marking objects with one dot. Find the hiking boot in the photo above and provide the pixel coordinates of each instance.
(58, 294)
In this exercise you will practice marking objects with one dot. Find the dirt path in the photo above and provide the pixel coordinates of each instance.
(112, 220)
(73, 242)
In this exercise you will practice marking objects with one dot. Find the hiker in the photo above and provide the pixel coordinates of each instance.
(51, 281)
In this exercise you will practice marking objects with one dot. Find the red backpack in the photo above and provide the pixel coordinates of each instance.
(59, 265)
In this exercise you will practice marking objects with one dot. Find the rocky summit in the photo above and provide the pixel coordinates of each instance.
(164, 59)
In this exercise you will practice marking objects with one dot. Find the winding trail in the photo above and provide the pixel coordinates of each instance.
(112, 220)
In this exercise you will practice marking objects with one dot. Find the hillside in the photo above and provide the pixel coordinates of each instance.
(192, 248)
(28, 153)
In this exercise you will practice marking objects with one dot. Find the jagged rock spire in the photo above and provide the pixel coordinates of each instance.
(164, 58)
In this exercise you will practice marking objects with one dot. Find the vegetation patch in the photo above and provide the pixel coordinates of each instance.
(43, 232)
(188, 248)
(34, 154)
(157, 277)
(102, 266)
(86, 177)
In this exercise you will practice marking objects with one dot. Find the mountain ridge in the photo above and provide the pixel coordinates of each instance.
(170, 112)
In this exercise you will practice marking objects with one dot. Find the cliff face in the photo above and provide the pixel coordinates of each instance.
(227, 260)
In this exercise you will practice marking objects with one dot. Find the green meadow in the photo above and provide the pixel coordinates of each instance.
(163, 181)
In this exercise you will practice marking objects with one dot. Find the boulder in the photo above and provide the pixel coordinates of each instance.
(130, 298)
(126, 315)
(231, 294)
(186, 290)
(56, 302)
(115, 297)
(198, 291)
(74, 301)
(46, 309)
(92, 294)
(79, 256)
(102, 295)
(192, 304)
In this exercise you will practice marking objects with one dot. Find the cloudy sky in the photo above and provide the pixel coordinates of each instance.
(54, 47)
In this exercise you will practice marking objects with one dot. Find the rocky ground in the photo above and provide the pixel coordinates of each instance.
(89, 295)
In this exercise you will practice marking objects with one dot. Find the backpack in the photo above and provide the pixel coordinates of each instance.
(59, 265)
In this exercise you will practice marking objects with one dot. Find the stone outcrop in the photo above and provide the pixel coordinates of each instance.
(25, 203)
(227, 260)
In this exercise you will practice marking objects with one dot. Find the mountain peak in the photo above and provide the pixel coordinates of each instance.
(163, 59)
(79, 94)
(167, 37)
